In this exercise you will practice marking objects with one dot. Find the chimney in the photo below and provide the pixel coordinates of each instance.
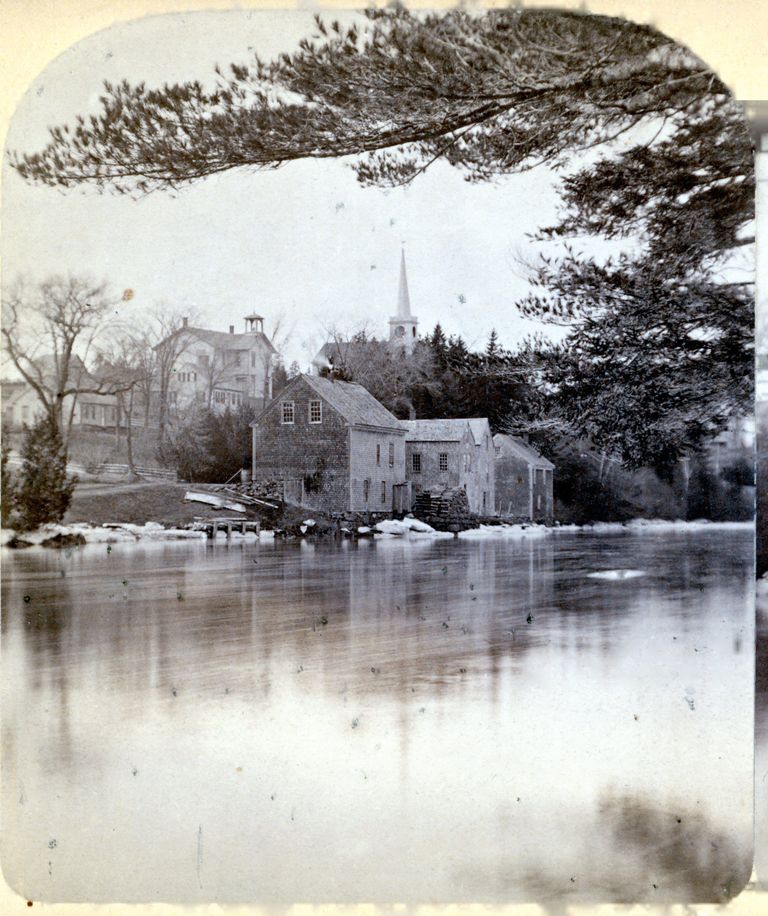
(184, 321)
(231, 329)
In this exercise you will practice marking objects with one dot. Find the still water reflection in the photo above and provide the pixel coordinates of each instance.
(430, 720)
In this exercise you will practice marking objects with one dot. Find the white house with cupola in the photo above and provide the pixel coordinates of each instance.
(222, 370)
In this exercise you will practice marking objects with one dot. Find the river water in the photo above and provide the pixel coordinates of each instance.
(423, 720)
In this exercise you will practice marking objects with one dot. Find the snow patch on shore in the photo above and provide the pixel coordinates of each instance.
(116, 533)
(408, 526)
(517, 532)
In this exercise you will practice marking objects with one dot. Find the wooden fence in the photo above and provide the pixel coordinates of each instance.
(109, 470)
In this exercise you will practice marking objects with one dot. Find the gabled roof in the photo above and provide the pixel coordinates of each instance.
(515, 446)
(445, 430)
(435, 430)
(355, 404)
(221, 340)
(480, 427)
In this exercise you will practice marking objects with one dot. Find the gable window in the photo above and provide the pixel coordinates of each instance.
(498, 450)
(442, 460)
(288, 412)
(391, 454)
(378, 454)
(366, 489)
(383, 491)
(315, 412)
(416, 463)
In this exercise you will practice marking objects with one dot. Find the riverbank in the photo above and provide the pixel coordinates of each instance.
(78, 533)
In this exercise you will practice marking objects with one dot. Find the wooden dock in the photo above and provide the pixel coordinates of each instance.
(212, 527)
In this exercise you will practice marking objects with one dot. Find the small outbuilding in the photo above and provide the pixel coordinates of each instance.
(443, 454)
(524, 480)
(334, 447)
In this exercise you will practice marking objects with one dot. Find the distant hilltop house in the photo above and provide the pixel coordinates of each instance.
(222, 370)
(443, 454)
(334, 447)
(402, 333)
(524, 480)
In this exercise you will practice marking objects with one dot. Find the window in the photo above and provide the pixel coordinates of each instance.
(442, 460)
(498, 450)
(366, 489)
(467, 462)
(219, 397)
(383, 491)
(378, 454)
(288, 412)
(253, 359)
(416, 463)
(539, 476)
(391, 454)
(315, 411)
(538, 501)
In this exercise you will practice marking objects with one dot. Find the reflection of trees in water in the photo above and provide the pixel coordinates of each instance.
(636, 851)
(684, 858)
(435, 619)
(761, 739)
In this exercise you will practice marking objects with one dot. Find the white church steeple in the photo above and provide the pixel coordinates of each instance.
(402, 328)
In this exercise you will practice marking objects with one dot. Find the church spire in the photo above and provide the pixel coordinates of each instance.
(402, 328)
(403, 299)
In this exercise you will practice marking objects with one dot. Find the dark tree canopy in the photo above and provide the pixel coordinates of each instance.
(488, 92)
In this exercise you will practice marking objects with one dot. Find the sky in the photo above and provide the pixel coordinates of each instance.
(304, 244)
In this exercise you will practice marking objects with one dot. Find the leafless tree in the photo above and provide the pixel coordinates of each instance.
(49, 331)
(173, 340)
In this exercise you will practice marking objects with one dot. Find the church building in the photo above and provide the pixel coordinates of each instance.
(402, 328)
(340, 353)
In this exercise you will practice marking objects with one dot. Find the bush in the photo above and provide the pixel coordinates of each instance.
(44, 490)
(210, 447)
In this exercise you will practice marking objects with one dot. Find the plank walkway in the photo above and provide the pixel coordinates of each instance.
(212, 527)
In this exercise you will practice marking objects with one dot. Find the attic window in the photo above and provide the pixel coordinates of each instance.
(315, 412)
(288, 412)
(498, 450)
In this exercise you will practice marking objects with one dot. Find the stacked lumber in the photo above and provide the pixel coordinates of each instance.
(445, 509)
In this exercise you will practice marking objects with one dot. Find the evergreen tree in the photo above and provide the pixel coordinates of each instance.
(489, 93)
(7, 490)
(44, 489)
